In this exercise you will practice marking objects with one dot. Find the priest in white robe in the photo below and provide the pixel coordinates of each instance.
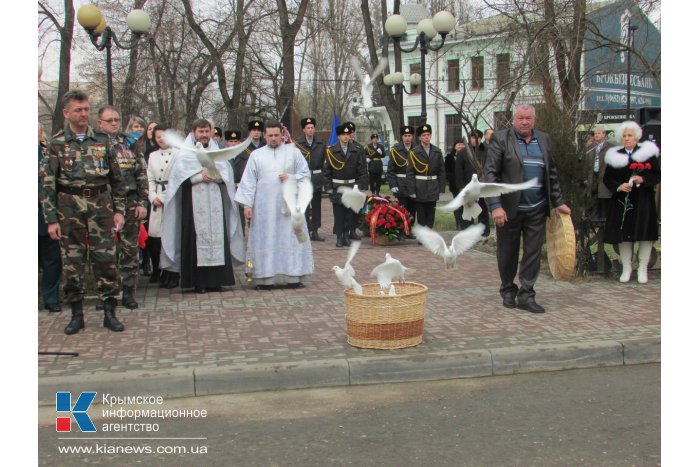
(274, 255)
(201, 234)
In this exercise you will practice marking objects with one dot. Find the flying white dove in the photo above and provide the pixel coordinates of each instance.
(346, 275)
(206, 158)
(366, 86)
(297, 195)
(461, 242)
(470, 194)
(389, 270)
(352, 198)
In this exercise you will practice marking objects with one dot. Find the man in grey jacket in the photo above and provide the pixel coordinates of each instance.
(515, 155)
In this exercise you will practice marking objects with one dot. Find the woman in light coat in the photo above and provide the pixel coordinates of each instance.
(159, 165)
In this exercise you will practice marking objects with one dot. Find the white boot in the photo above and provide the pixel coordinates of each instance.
(626, 260)
(643, 255)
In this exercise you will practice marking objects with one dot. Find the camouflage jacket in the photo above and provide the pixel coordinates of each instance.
(133, 169)
(75, 164)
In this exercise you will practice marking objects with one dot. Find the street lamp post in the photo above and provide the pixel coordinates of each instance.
(630, 43)
(396, 81)
(90, 17)
(442, 23)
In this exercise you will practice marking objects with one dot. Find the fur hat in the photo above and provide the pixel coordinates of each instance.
(425, 128)
(343, 129)
(256, 125)
(407, 130)
(308, 121)
(232, 134)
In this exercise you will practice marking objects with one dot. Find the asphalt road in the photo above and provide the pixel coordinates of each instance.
(597, 417)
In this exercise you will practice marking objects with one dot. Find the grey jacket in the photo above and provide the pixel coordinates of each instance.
(504, 164)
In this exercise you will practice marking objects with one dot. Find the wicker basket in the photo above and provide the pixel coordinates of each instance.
(561, 246)
(386, 322)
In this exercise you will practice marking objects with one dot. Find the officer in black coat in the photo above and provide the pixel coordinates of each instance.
(255, 129)
(426, 176)
(314, 151)
(374, 154)
(396, 169)
(345, 165)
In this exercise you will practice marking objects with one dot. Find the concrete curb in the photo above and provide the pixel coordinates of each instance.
(357, 370)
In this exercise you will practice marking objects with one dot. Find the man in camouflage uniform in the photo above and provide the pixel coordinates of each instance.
(135, 182)
(83, 201)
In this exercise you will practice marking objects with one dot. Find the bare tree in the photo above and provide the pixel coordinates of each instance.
(289, 32)
(65, 32)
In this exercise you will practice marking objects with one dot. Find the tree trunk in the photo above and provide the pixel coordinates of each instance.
(66, 33)
(289, 33)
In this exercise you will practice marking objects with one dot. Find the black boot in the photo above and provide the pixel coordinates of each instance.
(339, 241)
(155, 277)
(164, 278)
(315, 237)
(76, 322)
(173, 281)
(128, 300)
(111, 320)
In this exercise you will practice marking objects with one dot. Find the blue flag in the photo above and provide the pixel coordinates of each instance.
(333, 138)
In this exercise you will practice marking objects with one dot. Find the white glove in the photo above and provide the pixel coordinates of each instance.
(411, 196)
(395, 189)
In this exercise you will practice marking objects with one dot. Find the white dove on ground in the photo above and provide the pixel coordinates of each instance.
(461, 242)
(389, 270)
(297, 195)
(206, 158)
(366, 86)
(470, 194)
(346, 275)
(352, 198)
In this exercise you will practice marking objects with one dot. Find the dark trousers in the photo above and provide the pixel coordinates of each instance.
(313, 212)
(344, 219)
(153, 245)
(375, 183)
(425, 212)
(410, 204)
(530, 226)
(50, 264)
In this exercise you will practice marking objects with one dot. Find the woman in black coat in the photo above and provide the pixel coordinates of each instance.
(632, 172)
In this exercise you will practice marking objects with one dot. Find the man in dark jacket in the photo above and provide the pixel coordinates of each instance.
(596, 189)
(49, 251)
(313, 150)
(515, 155)
(374, 154)
(426, 176)
(345, 165)
(450, 174)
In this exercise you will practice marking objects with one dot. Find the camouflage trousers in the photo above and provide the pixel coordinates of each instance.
(84, 220)
(129, 244)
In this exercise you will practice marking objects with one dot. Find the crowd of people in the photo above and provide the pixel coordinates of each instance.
(100, 188)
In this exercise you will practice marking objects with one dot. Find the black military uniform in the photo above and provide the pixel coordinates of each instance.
(315, 154)
(396, 171)
(374, 154)
(344, 168)
(239, 162)
(426, 178)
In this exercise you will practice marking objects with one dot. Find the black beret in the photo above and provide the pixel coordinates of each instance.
(307, 121)
(425, 128)
(256, 125)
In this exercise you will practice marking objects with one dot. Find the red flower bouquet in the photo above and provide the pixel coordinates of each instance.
(386, 217)
(637, 168)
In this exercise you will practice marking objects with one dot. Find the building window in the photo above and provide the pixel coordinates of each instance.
(452, 75)
(453, 130)
(414, 121)
(502, 69)
(477, 72)
(536, 63)
(414, 68)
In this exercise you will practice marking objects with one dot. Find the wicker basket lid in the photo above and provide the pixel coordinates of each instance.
(561, 246)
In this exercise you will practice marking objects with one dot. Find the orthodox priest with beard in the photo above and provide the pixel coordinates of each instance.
(201, 233)
(275, 256)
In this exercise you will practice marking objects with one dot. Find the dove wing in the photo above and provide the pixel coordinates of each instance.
(289, 193)
(385, 272)
(354, 246)
(175, 140)
(351, 198)
(456, 203)
(305, 192)
(229, 152)
(496, 189)
(378, 71)
(357, 69)
(467, 238)
(430, 239)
